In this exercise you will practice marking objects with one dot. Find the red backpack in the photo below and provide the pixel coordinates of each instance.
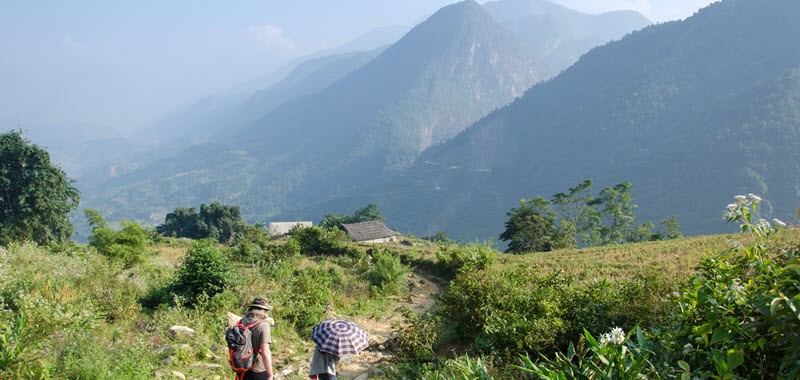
(241, 354)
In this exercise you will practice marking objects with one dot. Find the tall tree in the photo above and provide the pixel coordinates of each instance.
(220, 222)
(36, 197)
(530, 227)
(216, 221)
(617, 210)
(672, 227)
(579, 220)
(181, 223)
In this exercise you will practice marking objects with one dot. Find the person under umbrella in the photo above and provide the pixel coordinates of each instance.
(323, 365)
(334, 338)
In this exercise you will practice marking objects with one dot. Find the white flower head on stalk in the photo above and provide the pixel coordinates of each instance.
(740, 207)
(687, 348)
(778, 223)
(616, 336)
(763, 224)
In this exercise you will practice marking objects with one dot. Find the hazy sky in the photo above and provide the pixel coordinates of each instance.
(120, 63)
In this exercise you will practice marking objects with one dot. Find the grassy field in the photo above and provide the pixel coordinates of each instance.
(674, 259)
(71, 313)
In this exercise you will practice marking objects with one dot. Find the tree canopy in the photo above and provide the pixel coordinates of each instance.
(216, 221)
(36, 197)
(579, 219)
(366, 214)
(530, 227)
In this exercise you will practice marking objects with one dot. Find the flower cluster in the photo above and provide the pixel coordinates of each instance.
(616, 336)
(740, 208)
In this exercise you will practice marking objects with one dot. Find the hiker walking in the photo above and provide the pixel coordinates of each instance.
(251, 358)
(323, 365)
(334, 337)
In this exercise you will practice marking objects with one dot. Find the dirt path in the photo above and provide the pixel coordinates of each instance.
(421, 298)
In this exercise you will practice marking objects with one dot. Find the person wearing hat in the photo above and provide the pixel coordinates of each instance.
(262, 369)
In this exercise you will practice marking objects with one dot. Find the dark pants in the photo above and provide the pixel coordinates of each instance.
(325, 376)
(250, 375)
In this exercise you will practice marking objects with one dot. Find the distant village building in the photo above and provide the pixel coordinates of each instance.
(371, 232)
(281, 229)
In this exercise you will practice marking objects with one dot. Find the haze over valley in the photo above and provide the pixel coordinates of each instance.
(445, 115)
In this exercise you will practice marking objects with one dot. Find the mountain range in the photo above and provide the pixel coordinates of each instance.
(336, 124)
(690, 112)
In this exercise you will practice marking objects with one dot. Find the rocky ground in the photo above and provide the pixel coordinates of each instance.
(366, 365)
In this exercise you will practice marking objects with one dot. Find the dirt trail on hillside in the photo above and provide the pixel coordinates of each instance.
(421, 298)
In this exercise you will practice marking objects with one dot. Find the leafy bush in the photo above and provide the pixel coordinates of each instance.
(387, 274)
(603, 305)
(128, 245)
(309, 294)
(505, 312)
(416, 337)
(454, 259)
(316, 241)
(204, 271)
(738, 315)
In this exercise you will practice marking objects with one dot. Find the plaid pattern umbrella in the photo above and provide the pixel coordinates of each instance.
(339, 337)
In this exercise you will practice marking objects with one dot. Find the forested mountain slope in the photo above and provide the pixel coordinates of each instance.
(439, 78)
(690, 112)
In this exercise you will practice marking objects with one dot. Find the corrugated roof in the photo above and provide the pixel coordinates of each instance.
(368, 230)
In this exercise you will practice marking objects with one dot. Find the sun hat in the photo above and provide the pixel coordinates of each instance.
(260, 303)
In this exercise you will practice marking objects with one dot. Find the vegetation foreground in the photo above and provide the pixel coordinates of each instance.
(701, 307)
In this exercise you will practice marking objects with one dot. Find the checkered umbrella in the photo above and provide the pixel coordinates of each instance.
(339, 337)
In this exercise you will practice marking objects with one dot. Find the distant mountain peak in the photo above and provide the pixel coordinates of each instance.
(507, 9)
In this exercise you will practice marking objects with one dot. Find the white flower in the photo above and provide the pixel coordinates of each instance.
(687, 348)
(736, 287)
(763, 224)
(616, 336)
(604, 339)
(754, 198)
(778, 223)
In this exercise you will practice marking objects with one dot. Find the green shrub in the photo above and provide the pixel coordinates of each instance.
(309, 294)
(315, 241)
(387, 275)
(204, 271)
(506, 312)
(454, 258)
(128, 245)
(738, 315)
(416, 338)
(603, 305)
